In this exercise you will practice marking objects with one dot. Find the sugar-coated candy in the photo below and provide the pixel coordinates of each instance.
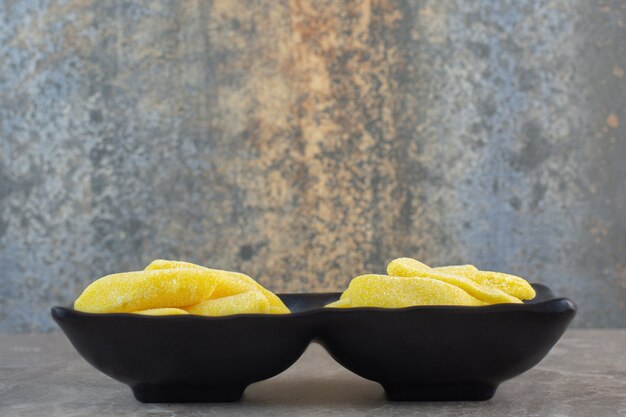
(142, 290)
(227, 283)
(397, 292)
(513, 285)
(454, 268)
(166, 311)
(243, 303)
(408, 267)
(339, 304)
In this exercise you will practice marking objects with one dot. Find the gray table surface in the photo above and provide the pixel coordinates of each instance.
(584, 375)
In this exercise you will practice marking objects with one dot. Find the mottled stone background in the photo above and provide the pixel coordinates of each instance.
(307, 142)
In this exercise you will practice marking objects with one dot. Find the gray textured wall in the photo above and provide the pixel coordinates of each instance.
(307, 142)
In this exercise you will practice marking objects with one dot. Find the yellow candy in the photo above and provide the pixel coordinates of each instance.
(227, 283)
(397, 292)
(510, 284)
(244, 303)
(143, 290)
(407, 267)
(417, 264)
(455, 268)
(513, 285)
(168, 311)
(339, 304)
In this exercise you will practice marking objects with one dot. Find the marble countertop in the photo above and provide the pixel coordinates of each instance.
(584, 375)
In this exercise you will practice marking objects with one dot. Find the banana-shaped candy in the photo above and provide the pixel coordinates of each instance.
(227, 283)
(143, 290)
(510, 284)
(396, 292)
(408, 267)
(244, 303)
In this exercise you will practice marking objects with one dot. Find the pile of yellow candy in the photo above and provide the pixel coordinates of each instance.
(412, 283)
(174, 287)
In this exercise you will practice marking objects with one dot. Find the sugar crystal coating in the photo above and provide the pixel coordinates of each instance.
(455, 268)
(227, 283)
(513, 285)
(243, 303)
(397, 292)
(413, 283)
(142, 290)
(339, 304)
(408, 267)
(166, 311)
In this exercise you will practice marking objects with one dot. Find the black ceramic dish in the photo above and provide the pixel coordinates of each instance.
(416, 353)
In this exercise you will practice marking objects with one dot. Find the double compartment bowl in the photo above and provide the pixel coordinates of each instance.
(415, 353)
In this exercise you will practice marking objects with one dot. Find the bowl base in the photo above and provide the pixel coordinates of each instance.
(440, 392)
(188, 394)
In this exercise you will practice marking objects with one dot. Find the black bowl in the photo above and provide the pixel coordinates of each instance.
(416, 353)
(186, 358)
(446, 352)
